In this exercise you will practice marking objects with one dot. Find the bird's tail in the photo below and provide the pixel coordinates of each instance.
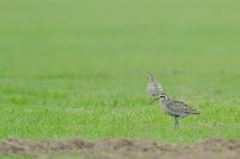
(196, 112)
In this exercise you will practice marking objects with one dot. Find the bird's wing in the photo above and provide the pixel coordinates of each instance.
(158, 86)
(183, 107)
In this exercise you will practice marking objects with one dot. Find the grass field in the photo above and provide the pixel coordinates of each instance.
(78, 68)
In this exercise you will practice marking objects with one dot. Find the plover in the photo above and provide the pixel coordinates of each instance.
(175, 108)
(153, 88)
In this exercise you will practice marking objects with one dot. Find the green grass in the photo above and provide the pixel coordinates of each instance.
(14, 157)
(78, 68)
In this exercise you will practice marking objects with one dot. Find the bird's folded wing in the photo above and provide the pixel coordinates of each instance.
(181, 107)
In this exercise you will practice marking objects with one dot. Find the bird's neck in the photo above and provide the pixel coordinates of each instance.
(166, 102)
(151, 79)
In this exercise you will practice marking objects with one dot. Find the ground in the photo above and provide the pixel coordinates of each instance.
(214, 147)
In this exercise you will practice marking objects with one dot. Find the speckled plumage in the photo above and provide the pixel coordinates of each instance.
(175, 108)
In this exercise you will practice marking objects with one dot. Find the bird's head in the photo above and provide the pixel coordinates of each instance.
(162, 97)
(150, 77)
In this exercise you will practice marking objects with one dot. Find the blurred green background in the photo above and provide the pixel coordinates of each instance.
(57, 37)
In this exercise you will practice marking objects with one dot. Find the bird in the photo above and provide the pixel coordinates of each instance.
(153, 88)
(177, 109)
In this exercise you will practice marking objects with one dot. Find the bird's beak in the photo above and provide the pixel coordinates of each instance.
(157, 98)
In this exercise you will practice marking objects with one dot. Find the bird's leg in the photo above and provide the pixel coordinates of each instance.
(176, 122)
(151, 100)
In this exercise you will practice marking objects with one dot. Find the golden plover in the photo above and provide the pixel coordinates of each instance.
(153, 88)
(175, 108)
